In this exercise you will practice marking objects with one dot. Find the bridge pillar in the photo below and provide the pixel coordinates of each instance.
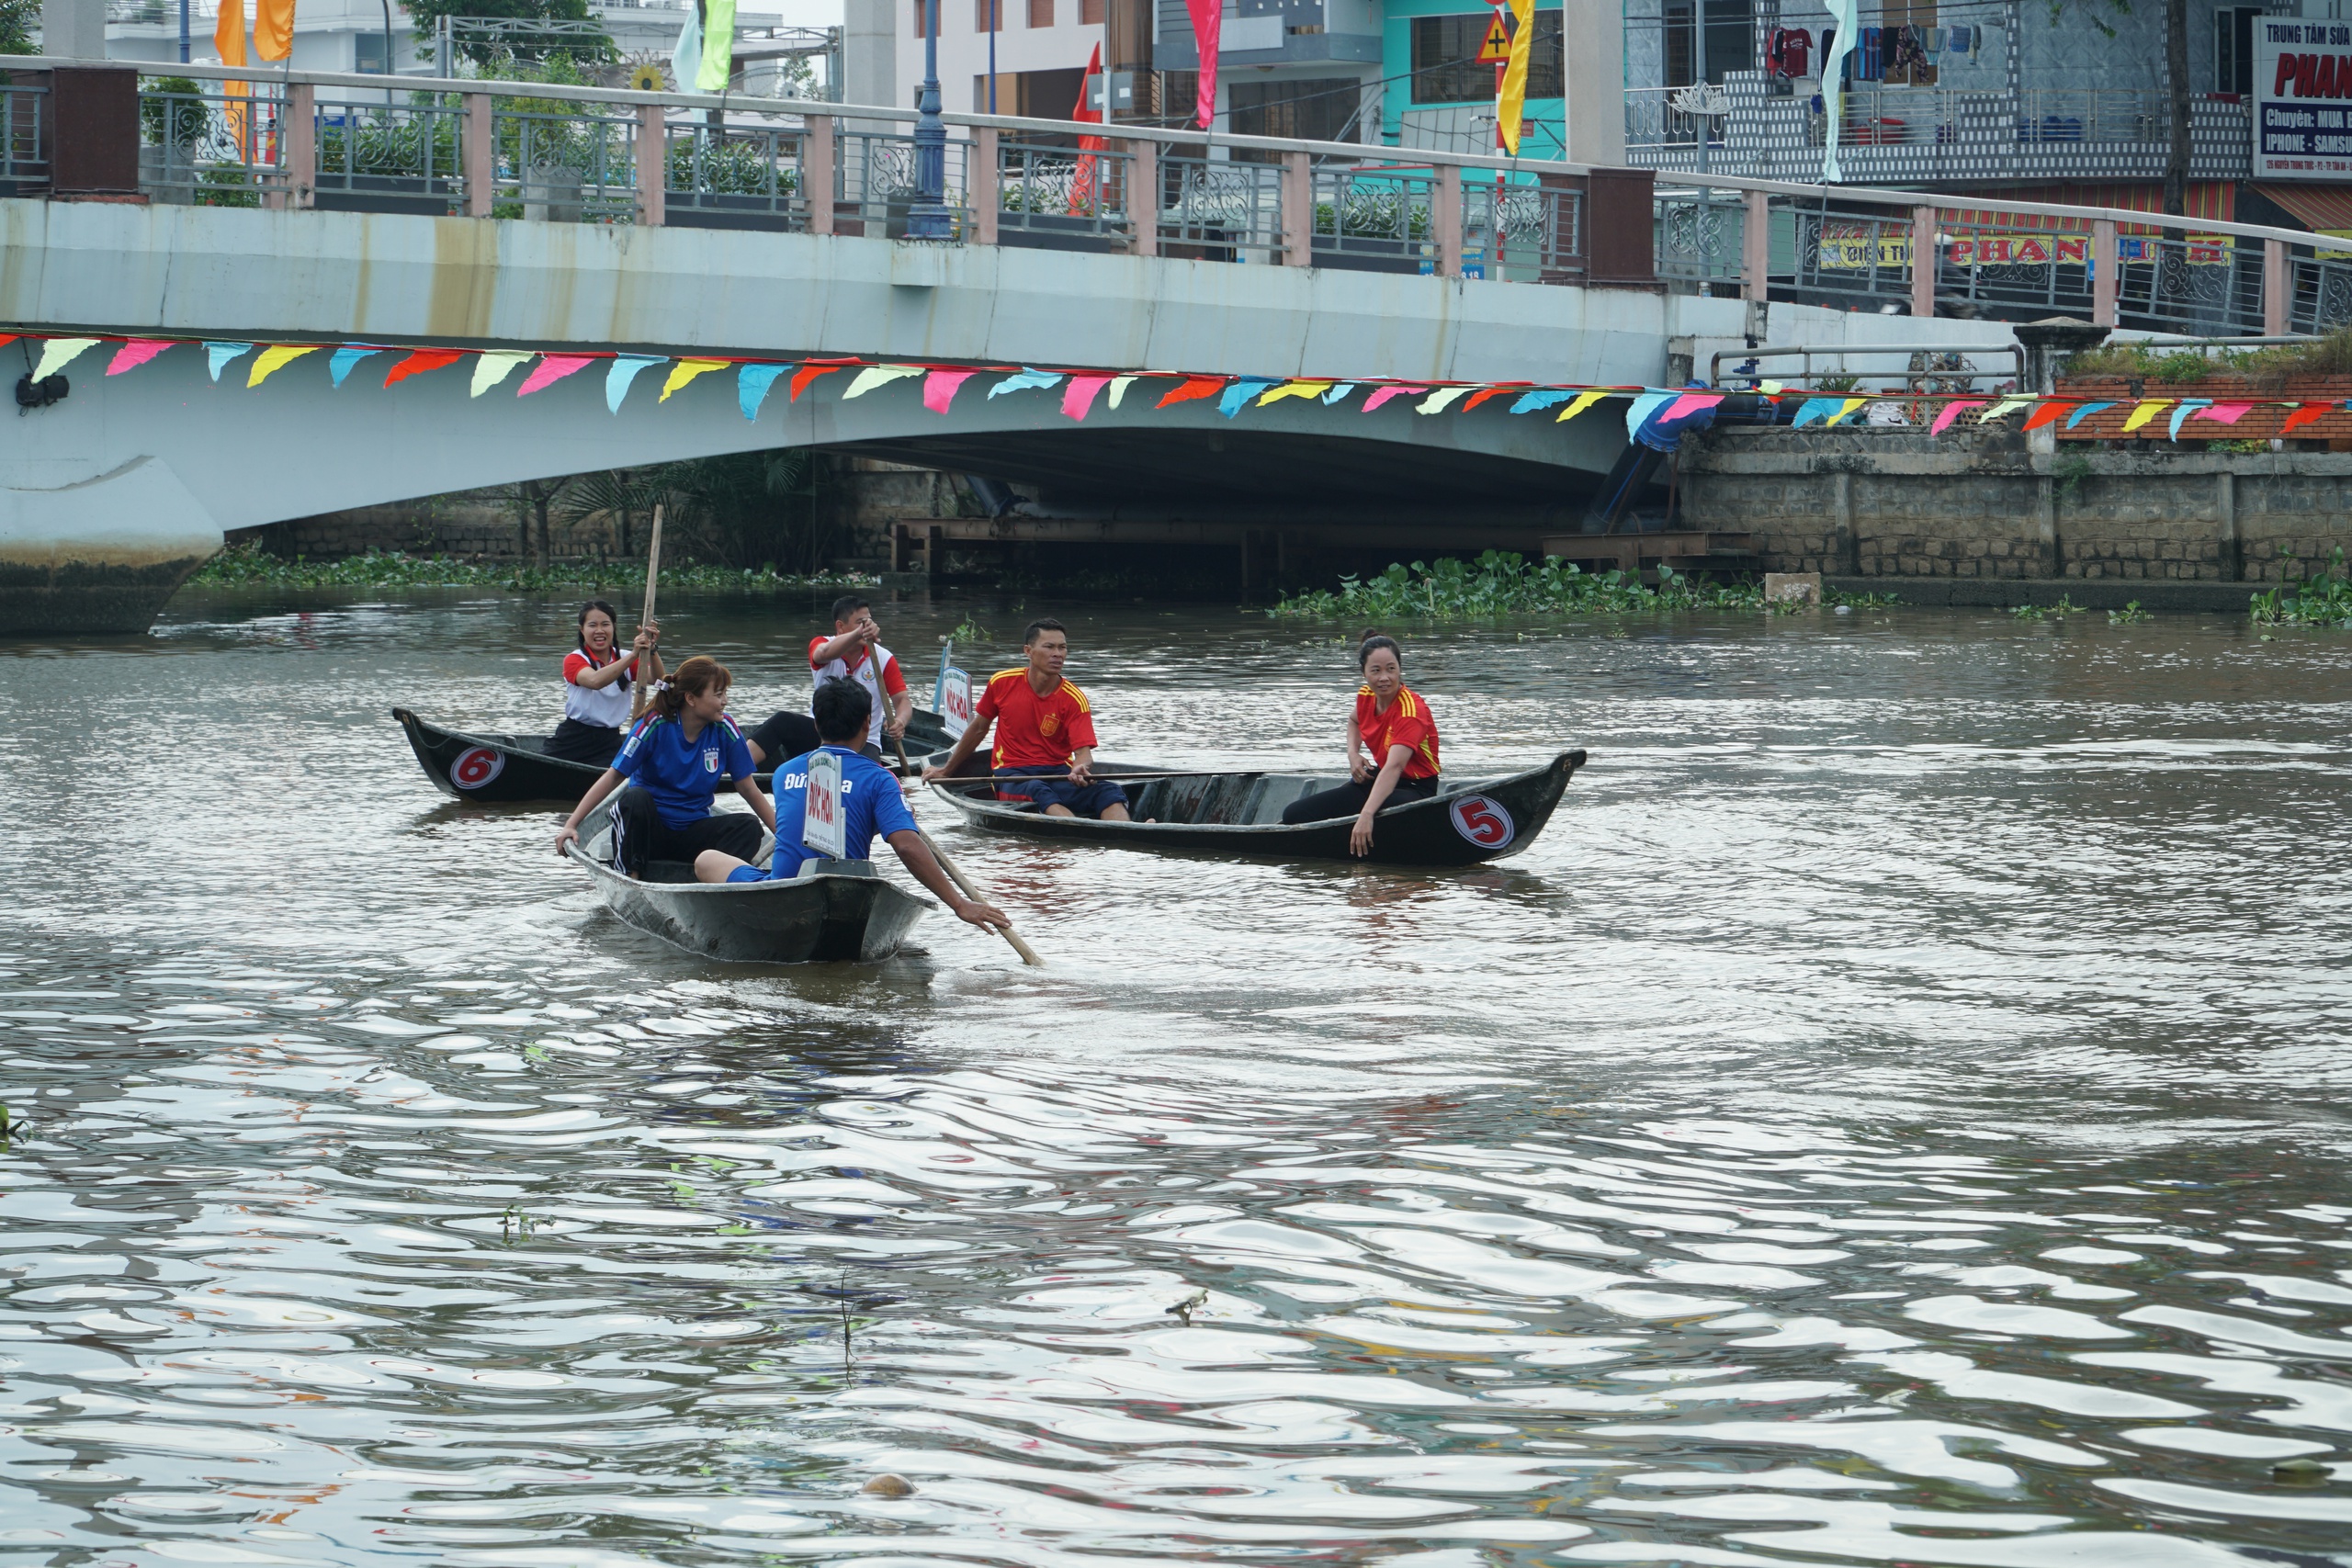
(1756, 249)
(2107, 256)
(1143, 197)
(1923, 263)
(481, 155)
(653, 165)
(2277, 294)
(981, 174)
(1299, 213)
(817, 145)
(301, 149)
(1445, 217)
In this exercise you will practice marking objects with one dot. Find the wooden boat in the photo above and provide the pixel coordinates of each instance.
(495, 768)
(1241, 813)
(849, 912)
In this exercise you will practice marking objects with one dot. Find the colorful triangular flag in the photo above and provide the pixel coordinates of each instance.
(940, 387)
(623, 371)
(1294, 389)
(1584, 400)
(1382, 394)
(1952, 410)
(340, 362)
(809, 373)
(874, 376)
(2085, 412)
(1185, 391)
(1238, 395)
(415, 363)
(494, 366)
(2180, 415)
(58, 352)
(1024, 380)
(752, 384)
(277, 357)
(1442, 398)
(551, 369)
(136, 353)
(1078, 399)
(685, 371)
(218, 354)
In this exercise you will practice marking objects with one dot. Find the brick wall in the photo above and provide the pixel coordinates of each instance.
(1978, 504)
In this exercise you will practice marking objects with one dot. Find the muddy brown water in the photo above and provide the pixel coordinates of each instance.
(1895, 1114)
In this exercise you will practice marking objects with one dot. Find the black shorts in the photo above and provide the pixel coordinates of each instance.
(576, 740)
(784, 735)
(642, 836)
(1349, 798)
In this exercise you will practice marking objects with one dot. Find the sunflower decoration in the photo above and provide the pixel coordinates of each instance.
(648, 73)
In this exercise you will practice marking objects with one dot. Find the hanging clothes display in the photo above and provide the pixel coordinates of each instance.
(1869, 59)
(1788, 51)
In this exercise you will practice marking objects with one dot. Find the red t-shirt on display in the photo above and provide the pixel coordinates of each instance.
(1408, 722)
(1034, 732)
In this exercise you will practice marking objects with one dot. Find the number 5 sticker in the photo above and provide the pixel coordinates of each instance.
(1484, 822)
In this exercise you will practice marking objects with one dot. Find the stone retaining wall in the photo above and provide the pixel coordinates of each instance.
(1981, 505)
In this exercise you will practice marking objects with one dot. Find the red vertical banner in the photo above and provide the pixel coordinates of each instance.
(1208, 24)
(1086, 186)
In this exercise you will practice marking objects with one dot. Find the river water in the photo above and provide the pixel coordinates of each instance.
(1893, 1115)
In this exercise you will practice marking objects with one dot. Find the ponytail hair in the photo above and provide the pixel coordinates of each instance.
(613, 615)
(1373, 640)
(692, 679)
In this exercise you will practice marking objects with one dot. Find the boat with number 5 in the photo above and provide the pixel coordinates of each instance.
(1241, 814)
(513, 768)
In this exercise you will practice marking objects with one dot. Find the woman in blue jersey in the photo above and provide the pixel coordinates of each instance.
(598, 683)
(872, 806)
(675, 761)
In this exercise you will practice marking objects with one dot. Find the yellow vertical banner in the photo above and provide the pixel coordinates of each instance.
(229, 42)
(274, 29)
(1510, 103)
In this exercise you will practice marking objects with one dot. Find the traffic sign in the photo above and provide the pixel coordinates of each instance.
(1496, 51)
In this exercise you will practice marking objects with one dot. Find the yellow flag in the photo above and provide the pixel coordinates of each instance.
(1584, 400)
(1295, 390)
(685, 370)
(1513, 103)
(1848, 406)
(2144, 413)
(274, 357)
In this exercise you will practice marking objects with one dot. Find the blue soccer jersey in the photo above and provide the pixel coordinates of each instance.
(871, 804)
(684, 774)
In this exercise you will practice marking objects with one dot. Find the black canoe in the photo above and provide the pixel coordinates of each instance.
(1241, 813)
(851, 914)
(499, 769)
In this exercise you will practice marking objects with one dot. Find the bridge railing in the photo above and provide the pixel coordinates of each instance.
(293, 139)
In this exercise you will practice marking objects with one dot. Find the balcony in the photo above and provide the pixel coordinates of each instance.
(1910, 136)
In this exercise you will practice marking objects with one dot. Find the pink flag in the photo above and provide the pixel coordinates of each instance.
(1384, 393)
(1951, 411)
(1208, 23)
(136, 353)
(551, 369)
(1689, 402)
(1077, 398)
(2227, 413)
(940, 387)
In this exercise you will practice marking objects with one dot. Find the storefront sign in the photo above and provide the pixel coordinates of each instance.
(2302, 100)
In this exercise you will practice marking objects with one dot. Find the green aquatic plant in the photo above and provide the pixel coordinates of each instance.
(2058, 612)
(515, 1225)
(2129, 614)
(2321, 598)
(244, 565)
(1501, 583)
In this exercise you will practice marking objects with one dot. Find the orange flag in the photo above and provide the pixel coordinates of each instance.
(1192, 387)
(2304, 416)
(274, 29)
(229, 42)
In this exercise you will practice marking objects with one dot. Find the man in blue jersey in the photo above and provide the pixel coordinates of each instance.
(871, 805)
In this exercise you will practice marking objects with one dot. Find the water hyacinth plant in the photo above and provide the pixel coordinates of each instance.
(1501, 583)
(245, 567)
(2323, 598)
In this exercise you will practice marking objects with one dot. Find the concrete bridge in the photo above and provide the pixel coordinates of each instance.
(109, 497)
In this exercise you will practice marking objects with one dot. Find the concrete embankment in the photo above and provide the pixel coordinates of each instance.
(1976, 517)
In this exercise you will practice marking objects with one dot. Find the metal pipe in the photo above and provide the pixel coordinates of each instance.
(184, 7)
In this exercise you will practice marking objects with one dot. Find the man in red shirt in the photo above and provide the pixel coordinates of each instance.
(855, 652)
(1044, 734)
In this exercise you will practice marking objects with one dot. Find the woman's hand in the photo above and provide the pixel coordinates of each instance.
(1359, 767)
(566, 834)
(1360, 837)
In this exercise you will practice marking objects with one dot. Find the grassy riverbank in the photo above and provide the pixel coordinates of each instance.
(1498, 584)
(245, 567)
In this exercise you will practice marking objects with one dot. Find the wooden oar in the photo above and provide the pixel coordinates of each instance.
(645, 618)
(956, 872)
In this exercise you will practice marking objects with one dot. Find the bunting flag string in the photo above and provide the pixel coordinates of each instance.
(1084, 390)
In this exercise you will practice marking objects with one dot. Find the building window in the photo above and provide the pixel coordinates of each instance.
(2234, 48)
(1090, 13)
(987, 16)
(1447, 69)
(1314, 109)
(1730, 37)
(1041, 13)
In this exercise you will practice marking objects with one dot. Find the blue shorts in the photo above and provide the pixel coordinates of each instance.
(1051, 786)
(747, 873)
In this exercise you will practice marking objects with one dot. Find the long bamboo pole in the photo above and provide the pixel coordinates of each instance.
(644, 683)
(956, 872)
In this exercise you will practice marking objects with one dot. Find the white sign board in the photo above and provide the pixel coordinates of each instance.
(954, 701)
(821, 825)
(2302, 100)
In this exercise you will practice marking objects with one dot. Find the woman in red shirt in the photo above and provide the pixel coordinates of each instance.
(1395, 725)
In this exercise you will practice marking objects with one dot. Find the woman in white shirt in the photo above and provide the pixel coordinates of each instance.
(598, 682)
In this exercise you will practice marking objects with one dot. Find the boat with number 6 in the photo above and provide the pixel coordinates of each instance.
(835, 911)
(512, 769)
(1241, 813)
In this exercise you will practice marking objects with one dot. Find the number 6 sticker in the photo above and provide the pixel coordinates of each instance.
(1484, 822)
(475, 767)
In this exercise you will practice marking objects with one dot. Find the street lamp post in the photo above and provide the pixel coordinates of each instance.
(927, 217)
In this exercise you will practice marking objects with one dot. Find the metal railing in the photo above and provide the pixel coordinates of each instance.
(290, 138)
